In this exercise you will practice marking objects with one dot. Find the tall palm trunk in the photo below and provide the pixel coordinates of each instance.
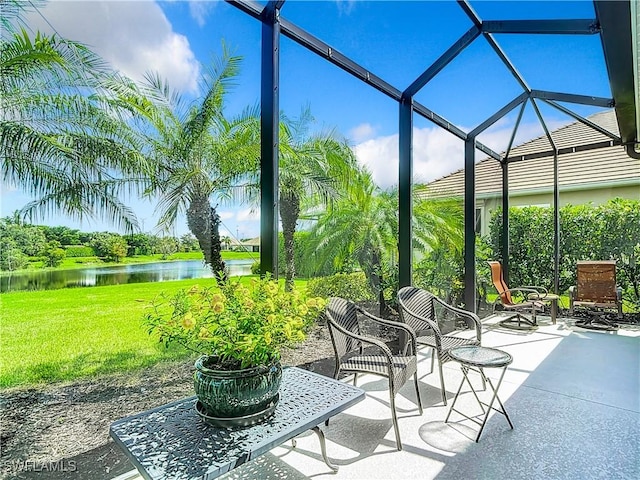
(204, 223)
(289, 214)
(371, 262)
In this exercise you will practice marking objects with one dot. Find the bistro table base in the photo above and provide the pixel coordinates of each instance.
(475, 358)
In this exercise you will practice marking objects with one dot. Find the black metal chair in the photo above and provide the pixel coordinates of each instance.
(418, 310)
(357, 353)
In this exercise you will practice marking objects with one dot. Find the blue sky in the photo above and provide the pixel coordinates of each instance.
(395, 40)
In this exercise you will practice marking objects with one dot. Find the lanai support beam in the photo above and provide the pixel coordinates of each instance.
(452, 52)
(504, 247)
(504, 244)
(332, 55)
(405, 203)
(583, 120)
(556, 202)
(469, 225)
(519, 100)
(269, 140)
(573, 98)
(499, 114)
(586, 26)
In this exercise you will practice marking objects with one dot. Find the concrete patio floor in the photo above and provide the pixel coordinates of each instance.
(573, 396)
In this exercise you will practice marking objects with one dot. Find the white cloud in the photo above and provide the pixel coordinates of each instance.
(380, 156)
(362, 132)
(134, 37)
(200, 9)
(248, 215)
(345, 6)
(226, 215)
(436, 152)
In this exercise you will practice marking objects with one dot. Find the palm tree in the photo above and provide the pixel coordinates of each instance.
(196, 153)
(362, 227)
(60, 140)
(314, 169)
(357, 228)
(226, 240)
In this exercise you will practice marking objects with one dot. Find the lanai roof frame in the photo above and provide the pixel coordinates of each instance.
(618, 62)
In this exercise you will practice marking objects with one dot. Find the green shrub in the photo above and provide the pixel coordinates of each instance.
(255, 268)
(79, 251)
(53, 254)
(353, 286)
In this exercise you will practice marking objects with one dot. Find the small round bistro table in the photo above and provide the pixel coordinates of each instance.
(476, 358)
(549, 297)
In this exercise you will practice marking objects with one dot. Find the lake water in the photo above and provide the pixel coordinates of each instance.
(99, 276)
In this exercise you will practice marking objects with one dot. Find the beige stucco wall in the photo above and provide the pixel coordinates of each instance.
(570, 196)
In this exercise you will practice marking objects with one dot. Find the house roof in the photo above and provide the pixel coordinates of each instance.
(252, 242)
(584, 169)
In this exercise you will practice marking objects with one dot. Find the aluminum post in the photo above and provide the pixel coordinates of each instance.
(556, 226)
(405, 174)
(269, 140)
(504, 245)
(469, 226)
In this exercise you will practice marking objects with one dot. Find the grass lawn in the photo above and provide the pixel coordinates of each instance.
(56, 335)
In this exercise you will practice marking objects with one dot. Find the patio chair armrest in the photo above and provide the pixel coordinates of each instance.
(397, 325)
(527, 290)
(472, 320)
(538, 290)
(363, 339)
(572, 297)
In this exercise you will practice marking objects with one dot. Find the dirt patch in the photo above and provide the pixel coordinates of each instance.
(62, 431)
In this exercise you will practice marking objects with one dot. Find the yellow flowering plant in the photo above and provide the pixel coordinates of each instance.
(238, 326)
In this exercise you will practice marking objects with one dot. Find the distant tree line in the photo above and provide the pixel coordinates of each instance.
(22, 242)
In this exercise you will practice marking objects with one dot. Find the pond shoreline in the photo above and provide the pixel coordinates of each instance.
(137, 260)
(93, 275)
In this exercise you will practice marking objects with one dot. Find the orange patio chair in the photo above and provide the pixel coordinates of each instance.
(509, 303)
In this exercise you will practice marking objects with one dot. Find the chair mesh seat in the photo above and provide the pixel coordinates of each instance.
(403, 367)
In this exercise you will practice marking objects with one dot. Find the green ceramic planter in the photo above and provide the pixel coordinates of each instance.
(237, 394)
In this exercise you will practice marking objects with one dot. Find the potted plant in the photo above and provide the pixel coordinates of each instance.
(239, 331)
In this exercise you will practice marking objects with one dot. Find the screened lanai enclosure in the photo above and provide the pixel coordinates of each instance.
(614, 24)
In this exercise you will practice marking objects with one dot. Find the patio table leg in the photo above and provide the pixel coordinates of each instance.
(323, 449)
(493, 399)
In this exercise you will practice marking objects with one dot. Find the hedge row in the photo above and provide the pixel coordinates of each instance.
(79, 251)
(353, 286)
(587, 232)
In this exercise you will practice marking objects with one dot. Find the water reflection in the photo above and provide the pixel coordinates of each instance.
(99, 276)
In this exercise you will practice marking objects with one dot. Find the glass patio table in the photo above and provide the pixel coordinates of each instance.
(172, 441)
(548, 297)
(477, 358)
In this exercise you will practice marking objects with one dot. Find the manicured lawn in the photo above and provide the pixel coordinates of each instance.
(55, 335)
